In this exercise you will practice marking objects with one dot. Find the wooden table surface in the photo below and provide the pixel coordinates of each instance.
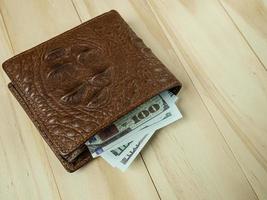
(217, 49)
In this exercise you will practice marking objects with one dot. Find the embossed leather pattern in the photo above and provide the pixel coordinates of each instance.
(79, 82)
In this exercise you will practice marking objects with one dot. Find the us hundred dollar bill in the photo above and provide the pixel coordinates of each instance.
(121, 155)
(129, 124)
(134, 150)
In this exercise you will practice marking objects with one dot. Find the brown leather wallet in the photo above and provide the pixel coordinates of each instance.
(80, 81)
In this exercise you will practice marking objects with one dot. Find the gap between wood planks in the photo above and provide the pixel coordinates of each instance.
(12, 49)
(242, 35)
(194, 86)
(182, 66)
(140, 153)
(6, 32)
(184, 62)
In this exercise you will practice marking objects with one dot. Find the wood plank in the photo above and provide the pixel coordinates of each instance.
(21, 169)
(189, 159)
(7, 189)
(250, 16)
(39, 174)
(227, 75)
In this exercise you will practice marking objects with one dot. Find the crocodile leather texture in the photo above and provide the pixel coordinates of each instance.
(79, 82)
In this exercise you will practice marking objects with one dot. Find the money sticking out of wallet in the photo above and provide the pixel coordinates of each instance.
(122, 141)
(94, 90)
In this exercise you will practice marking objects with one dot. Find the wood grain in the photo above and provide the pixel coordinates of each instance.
(250, 18)
(217, 151)
(23, 169)
(227, 75)
(177, 138)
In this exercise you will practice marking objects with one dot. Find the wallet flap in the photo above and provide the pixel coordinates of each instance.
(79, 82)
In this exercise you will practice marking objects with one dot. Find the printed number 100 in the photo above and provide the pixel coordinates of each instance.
(145, 113)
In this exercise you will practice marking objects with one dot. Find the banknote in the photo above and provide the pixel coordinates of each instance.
(131, 123)
(118, 156)
(112, 156)
(134, 150)
(173, 97)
